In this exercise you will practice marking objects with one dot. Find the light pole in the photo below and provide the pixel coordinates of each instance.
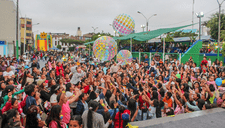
(146, 18)
(200, 15)
(95, 28)
(143, 26)
(193, 14)
(219, 28)
(17, 29)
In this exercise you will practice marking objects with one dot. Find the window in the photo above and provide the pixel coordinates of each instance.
(28, 34)
(28, 28)
(28, 22)
(55, 43)
(64, 49)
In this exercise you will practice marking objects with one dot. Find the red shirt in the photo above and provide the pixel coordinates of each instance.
(118, 121)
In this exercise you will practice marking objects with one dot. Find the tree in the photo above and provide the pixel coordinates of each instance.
(213, 25)
(71, 49)
(168, 38)
(59, 46)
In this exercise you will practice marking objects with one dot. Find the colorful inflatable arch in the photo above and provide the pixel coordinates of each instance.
(43, 44)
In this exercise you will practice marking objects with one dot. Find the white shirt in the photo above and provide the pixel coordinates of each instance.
(53, 98)
(8, 73)
(13, 69)
(27, 61)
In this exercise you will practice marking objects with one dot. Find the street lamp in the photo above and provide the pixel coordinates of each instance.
(146, 18)
(200, 15)
(95, 28)
(219, 27)
(36, 24)
(143, 26)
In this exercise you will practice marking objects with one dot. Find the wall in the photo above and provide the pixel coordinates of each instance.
(8, 22)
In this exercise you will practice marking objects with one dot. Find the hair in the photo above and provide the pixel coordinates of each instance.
(50, 83)
(212, 88)
(162, 92)
(108, 95)
(77, 118)
(132, 106)
(68, 86)
(6, 117)
(25, 78)
(121, 110)
(8, 89)
(169, 94)
(29, 89)
(53, 88)
(154, 95)
(201, 102)
(54, 115)
(92, 107)
(82, 95)
(31, 119)
(13, 100)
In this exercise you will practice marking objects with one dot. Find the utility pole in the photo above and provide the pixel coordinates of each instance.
(193, 15)
(219, 28)
(25, 29)
(17, 31)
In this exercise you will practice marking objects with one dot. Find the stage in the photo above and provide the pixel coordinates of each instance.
(212, 118)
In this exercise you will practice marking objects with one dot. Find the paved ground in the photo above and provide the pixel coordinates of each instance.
(213, 118)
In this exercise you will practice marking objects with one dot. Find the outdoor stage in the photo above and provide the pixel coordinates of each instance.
(212, 118)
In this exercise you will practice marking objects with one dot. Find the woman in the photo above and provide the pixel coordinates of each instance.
(50, 62)
(54, 120)
(27, 78)
(12, 114)
(60, 81)
(31, 119)
(91, 119)
(45, 95)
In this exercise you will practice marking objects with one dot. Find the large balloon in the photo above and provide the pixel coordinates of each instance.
(105, 48)
(218, 81)
(123, 24)
(125, 57)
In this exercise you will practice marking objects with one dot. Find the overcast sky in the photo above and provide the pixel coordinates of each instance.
(59, 16)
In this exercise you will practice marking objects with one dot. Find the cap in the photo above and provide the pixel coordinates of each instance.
(26, 67)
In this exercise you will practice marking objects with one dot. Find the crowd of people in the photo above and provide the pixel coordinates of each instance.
(70, 93)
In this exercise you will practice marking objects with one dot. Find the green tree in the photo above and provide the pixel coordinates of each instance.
(59, 46)
(168, 38)
(213, 25)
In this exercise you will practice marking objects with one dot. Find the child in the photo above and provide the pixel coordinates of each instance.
(54, 120)
(10, 88)
(76, 122)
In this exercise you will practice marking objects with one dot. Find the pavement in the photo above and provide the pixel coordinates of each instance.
(212, 118)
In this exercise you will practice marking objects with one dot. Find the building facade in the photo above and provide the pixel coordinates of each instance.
(25, 31)
(8, 26)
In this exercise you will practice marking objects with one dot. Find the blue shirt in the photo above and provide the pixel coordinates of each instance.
(30, 101)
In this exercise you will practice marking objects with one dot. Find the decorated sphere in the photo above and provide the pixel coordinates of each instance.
(105, 48)
(123, 24)
(125, 57)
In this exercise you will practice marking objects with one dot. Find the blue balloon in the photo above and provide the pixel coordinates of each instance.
(218, 81)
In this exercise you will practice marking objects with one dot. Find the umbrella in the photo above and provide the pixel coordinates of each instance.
(54, 48)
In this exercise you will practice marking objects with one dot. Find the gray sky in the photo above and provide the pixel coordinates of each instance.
(59, 16)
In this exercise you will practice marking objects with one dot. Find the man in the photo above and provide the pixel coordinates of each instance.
(106, 67)
(115, 67)
(51, 75)
(8, 73)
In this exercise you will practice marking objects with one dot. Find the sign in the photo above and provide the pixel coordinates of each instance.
(2, 42)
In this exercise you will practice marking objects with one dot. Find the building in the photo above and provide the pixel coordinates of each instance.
(56, 37)
(25, 31)
(7, 26)
(79, 32)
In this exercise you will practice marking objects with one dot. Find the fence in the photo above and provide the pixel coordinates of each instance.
(197, 58)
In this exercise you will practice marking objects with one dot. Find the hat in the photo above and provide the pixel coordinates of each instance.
(204, 78)
(26, 67)
(161, 62)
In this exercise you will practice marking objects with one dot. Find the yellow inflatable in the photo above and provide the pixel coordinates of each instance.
(130, 126)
